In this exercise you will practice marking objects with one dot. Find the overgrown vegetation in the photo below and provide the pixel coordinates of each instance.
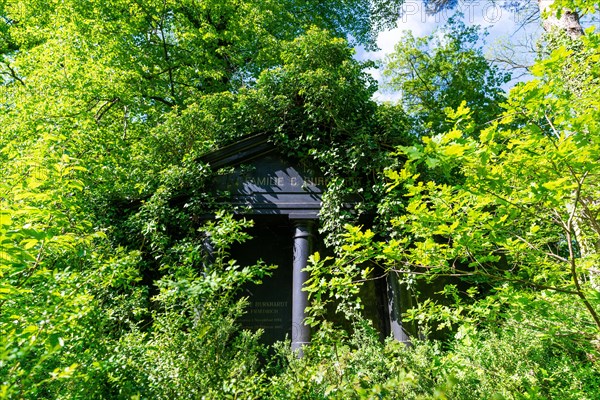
(106, 287)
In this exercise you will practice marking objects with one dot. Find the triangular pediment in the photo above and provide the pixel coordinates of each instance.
(256, 179)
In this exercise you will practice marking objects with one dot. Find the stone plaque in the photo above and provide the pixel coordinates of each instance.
(270, 303)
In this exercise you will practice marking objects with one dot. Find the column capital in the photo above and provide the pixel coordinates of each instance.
(303, 228)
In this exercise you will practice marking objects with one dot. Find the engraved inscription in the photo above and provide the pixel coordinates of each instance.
(267, 315)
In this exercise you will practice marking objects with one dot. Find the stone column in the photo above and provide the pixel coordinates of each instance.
(303, 231)
(395, 300)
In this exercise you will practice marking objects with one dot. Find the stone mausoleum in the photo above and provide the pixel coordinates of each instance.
(283, 197)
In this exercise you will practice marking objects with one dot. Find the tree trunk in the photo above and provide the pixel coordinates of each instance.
(585, 225)
(568, 20)
(587, 230)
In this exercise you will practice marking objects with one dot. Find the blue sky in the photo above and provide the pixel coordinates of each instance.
(504, 26)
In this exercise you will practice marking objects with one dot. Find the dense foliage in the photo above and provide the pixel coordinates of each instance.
(106, 287)
(441, 71)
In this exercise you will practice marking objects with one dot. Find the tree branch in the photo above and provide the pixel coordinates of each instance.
(573, 264)
(105, 107)
(13, 74)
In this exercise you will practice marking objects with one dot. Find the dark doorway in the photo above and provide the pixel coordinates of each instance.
(270, 306)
